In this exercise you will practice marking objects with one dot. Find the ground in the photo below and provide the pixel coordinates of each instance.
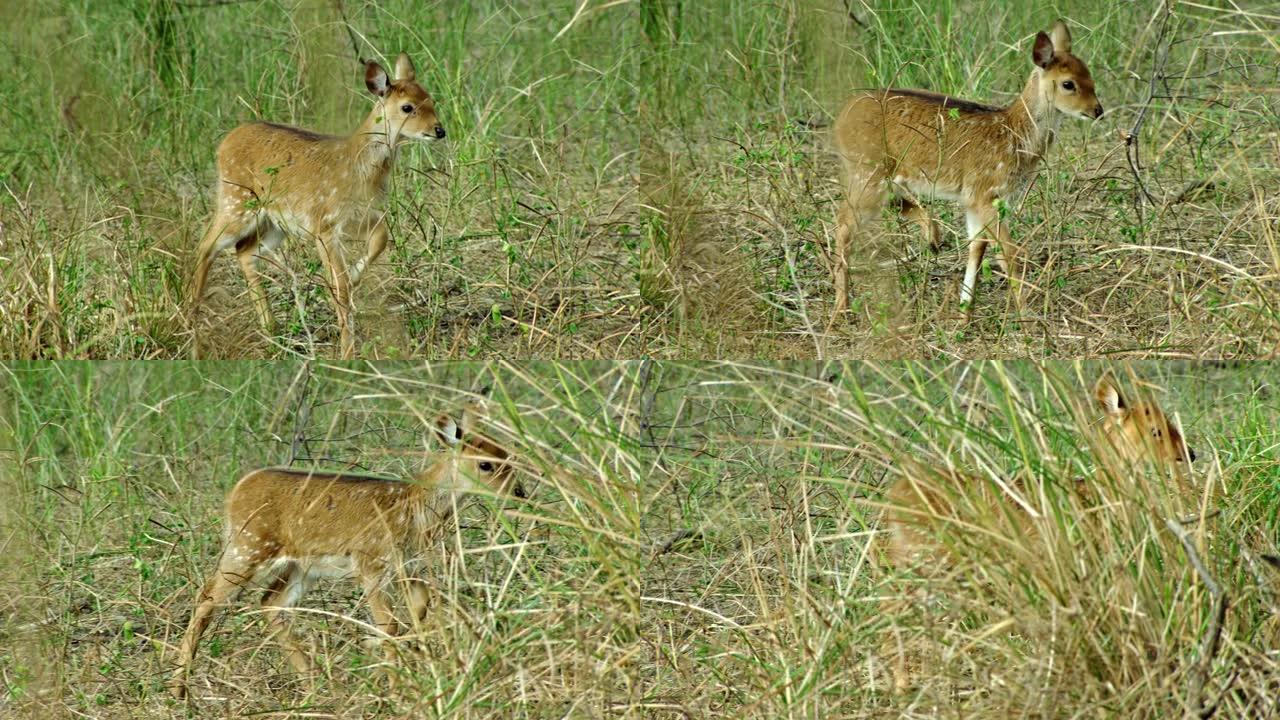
(512, 237)
(700, 540)
(1176, 259)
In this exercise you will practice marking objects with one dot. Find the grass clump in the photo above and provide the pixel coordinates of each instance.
(700, 539)
(512, 236)
(1177, 259)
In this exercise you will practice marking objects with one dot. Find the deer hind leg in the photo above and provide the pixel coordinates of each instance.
(373, 578)
(247, 252)
(418, 596)
(865, 196)
(911, 210)
(288, 589)
(236, 569)
(227, 228)
(340, 288)
(376, 245)
(894, 646)
(894, 606)
(1010, 259)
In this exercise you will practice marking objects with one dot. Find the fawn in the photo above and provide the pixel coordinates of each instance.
(275, 179)
(926, 502)
(286, 528)
(926, 144)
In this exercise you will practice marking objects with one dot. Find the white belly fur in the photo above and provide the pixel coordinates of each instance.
(331, 567)
(927, 189)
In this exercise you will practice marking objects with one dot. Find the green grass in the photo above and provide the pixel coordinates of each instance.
(745, 98)
(512, 236)
(700, 540)
(636, 179)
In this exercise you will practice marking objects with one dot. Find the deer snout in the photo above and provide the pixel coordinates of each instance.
(440, 130)
(518, 488)
(1097, 111)
(1191, 455)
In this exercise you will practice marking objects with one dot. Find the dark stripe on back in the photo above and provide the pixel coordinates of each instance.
(327, 475)
(304, 134)
(945, 101)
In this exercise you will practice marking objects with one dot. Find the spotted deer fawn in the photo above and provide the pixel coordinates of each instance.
(925, 144)
(286, 528)
(274, 179)
(926, 503)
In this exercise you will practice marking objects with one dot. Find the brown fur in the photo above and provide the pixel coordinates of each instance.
(286, 527)
(910, 140)
(926, 502)
(276, 179)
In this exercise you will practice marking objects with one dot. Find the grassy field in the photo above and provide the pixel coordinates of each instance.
(637, 178)
(512, 237)
(740, 185)
(700, 541)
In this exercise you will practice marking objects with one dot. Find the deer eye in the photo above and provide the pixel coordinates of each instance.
(1068, 85)
(406, 109)
(486, 466)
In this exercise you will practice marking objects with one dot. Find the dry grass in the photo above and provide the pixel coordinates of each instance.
(1190, 272)
(514, 237)
(654, 180)
(702, 543)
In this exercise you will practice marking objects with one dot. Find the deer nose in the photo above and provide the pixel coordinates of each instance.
(1191, 455)
(518, 490)
(440, 131)
(1097, 111)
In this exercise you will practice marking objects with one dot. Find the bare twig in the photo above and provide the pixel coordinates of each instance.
(674, 539)
(582, 11)
(1258, 568)
(848, 8)
(1192, 519)
(212, 3)
(301, 413)
(1131, 139)
(355, 45)
(647, 398)
(1209, 642)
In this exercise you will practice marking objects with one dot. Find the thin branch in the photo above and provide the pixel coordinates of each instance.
(355, 45)
(1212, 637)
(211, 3)
(648, 397)
(674, 539)
(1131, 139)
(301, 415)
(848, 8)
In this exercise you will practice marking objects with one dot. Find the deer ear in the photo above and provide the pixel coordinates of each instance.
(404, 67)
(1061, 37)
(375, 78)
(449, 430)
(473, 414)
(1108, 395)
(1042, 53)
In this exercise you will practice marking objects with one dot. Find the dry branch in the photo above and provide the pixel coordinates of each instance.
(1211, 640)
(1131, 138)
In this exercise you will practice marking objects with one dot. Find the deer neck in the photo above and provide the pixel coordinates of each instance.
(429, 511)
(438, 491)
(1033, 118)
(372, 150)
